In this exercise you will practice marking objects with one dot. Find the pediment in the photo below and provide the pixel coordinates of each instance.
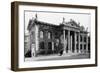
(72, 23)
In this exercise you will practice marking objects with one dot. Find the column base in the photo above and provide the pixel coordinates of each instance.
(79, 51)
(69, 51)
(64, 52)
(75, 51)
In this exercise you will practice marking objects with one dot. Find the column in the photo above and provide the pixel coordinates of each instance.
(53, 42)
(71, 43)
(52, 46)
(75, 42)
(64, 42)
(68, 41)
(87, 43)
(83, 43)
(79, 42)
(36, 39)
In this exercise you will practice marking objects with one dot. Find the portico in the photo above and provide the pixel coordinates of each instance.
(72, 40)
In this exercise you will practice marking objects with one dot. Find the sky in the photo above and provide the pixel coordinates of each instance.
(57, 17)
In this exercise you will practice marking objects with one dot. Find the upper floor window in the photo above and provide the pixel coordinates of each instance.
(32, 36)
(84, 39)
(81, 38)
(41, 34)
(49, 35)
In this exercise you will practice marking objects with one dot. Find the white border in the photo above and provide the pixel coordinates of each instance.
(33, 64)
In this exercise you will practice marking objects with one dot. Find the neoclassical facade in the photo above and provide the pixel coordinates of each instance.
(43, 37)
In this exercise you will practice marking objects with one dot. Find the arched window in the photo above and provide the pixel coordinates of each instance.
(49, 35)
(41, 34)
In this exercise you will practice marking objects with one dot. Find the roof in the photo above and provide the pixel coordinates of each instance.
(71, 23)
(33, 22)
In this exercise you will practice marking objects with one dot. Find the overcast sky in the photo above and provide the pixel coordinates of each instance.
(56, 18)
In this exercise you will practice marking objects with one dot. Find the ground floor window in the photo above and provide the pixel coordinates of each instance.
(41, 45)
(81, 46)
(49, 45)
(85, 47)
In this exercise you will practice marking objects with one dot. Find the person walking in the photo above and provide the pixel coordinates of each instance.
(60, 47)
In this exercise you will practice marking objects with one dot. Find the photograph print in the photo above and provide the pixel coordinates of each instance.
(56, 35)
(51, 36)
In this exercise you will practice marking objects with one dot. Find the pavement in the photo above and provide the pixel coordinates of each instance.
(67, 56)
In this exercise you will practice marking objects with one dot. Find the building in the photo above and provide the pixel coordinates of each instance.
(44, 36)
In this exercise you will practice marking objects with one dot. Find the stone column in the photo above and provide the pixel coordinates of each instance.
(36, 39)
(87, 43)
(71, 43)
(68, 40)
(83, 43)
(75, 42)
(64, 42)
(79, 42)
(52, 46)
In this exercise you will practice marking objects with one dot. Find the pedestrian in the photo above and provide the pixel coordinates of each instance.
(60, 47)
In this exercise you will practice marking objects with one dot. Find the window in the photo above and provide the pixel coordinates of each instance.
(85, 46)
(33, 37)
(76, 46)
(49, 35)
(77, 38)
(41, 34)
(84, 39)
(41, 45)
(80, 38)
(81, 46)
(50, 45)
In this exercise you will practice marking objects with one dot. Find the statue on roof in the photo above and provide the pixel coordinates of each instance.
(82, 27)
(63, 20)
(71, 20)
(87, 29)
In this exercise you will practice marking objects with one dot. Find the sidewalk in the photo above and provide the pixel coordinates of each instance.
(56, 56)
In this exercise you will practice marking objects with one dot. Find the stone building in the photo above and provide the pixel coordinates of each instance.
(43, 37)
